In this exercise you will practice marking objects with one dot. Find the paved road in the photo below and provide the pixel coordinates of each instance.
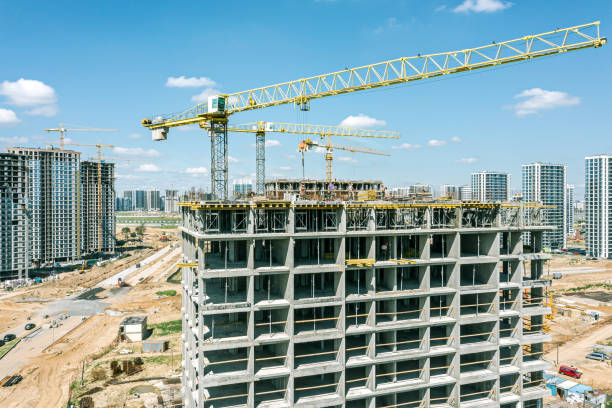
(146, 272)
(112, 281)
(25, 349)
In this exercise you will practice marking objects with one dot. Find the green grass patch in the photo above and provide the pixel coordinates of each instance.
(5, 349)
(605, 286)
(170, 292)
(160, 360)
(166, 328)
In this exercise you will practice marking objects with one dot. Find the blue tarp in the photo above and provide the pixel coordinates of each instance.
(580, 389)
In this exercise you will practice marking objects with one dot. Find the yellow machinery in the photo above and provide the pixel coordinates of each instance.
(261, 128)
(217, 109)
(308, 144)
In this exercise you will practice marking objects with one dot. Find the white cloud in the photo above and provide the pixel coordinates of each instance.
(197, 170)
(362, 121)
(540, 99)
(127, 176)
(203, 96)
(45, 110)
(284, 168)
(456, 139)
(482, 6)
(27, 92)
(8, 117)
(136, 151)
(390, 24)
(191, 82)
(14, 140)
(467, 160)
(407, 146)
(231, 159)
(134, 135)
(436, 143)
(151, 168)
(272, 143)
(347, 159)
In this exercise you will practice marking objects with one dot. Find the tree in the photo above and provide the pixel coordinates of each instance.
(126, 232)
(140, 230)
(133, 234)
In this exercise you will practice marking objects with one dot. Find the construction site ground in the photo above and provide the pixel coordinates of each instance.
(86, 316)
(586, 285)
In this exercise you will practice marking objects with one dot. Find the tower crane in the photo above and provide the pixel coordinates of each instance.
(308, 144)
(261, 128)
(63, 130)
(217, 109)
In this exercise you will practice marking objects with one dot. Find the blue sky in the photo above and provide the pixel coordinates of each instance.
(108, 64)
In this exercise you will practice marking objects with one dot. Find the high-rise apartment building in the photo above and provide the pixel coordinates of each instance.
(362, 304)
(53, 204)
(598, 205)
(128, 205)
(490, 186)
(97, 217)
(449, 191)
(123, 204)
(171, 201)
(570, 230)
(545, 183)
(14, 257)
(140, 200)
(153, 200)
(465, 193)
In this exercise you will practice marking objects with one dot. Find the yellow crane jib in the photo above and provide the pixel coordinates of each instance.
(396, 71)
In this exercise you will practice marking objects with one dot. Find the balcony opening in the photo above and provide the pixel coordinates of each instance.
(477, 274)
(357, 314)
(315, 386)
(357, 378)
(227, 396)
(508, 355)
(316, 319)
(270, 288)
(357, 282)
(271, 253)
(508, 271)
(271, 221)
(477, 333)
(410, 246)
(316, 220)
(442, 335)
(483, 360)
(319, 251)
(226, 290)
(225, 254)
(315, 285)
(410, 309)
(508, 327)
(227, 325)
(271, 356)
(316, 352)
(508, 299)
(271, 323)
(477, 303)
(410, 278)
(442, 306)
(269, 392)
(226, 361)
(484, 390)
(473, 245)
(440, 275)
(443, 218)
(385, 280)
(357, 346)
(509, 383)
(441, 245)
(384, 248)
(441, 365)
(358, 247)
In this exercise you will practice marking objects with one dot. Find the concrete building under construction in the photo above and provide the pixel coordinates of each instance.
(362, 303)
(14, 259)
(97, 229)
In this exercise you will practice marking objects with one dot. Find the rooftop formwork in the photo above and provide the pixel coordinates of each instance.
(362, 304)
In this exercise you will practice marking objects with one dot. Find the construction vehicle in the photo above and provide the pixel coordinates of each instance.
(261, 128)
(214, 112)
(121, 283)
(309, 144)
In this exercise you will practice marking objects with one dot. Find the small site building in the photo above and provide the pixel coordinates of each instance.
(133, 328)
(154, 346)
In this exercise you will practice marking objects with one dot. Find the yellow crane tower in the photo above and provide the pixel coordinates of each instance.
(217, 109)
(261, 128)
(308, 144)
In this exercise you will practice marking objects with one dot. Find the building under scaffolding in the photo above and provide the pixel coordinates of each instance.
(322, 190)
(97, 218)
(305, 303)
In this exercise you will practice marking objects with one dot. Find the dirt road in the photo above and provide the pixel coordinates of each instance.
(599, 374)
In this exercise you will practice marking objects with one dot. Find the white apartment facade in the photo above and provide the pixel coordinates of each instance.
(598, 205)
(490, 186)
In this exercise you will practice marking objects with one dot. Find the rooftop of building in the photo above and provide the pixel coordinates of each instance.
(41, 149)
(134, 320)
